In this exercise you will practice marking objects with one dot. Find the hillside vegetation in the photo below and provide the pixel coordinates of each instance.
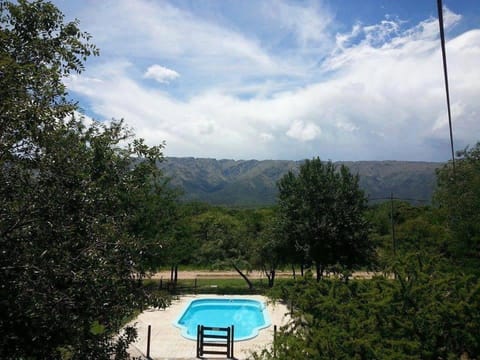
(253, 182)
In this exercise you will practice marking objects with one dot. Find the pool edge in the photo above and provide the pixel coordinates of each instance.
(255, 331)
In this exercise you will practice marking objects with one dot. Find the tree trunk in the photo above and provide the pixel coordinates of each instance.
(174, 275)
(319, 268)
(250, 285)
(175, 279)
(270, 276)
(293, 271)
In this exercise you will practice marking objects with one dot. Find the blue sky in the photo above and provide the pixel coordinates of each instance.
(339, 79)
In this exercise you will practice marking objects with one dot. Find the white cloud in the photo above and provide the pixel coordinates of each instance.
(346, 126)
(161, 74)
(378, 95)
(343, 40)
(310, 23)
(161, 30)
(387, 39)
(266, 137)
(303, 131)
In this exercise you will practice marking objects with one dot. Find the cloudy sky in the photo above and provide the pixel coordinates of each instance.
(253, 79)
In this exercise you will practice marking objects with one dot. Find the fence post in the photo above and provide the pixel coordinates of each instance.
(274, 341)
(149, 333)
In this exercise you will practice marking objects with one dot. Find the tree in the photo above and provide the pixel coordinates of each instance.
(221, 236)
(322, 214)
(421, 314)
(428, 310)
(38, 50)
(458, 198)
(415, 229)
(268, 248)
(73, 231)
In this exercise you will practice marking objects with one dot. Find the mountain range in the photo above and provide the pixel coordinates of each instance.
(253, 182)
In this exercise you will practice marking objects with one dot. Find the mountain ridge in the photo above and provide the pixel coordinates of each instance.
(253, 182)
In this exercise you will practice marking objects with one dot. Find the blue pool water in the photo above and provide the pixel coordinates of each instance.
(247, 316)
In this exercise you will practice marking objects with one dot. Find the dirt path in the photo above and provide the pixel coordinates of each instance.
(189, 274)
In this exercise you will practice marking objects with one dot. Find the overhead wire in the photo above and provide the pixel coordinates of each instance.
(445, 73)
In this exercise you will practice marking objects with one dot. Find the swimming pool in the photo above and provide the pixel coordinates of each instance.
(247, 315)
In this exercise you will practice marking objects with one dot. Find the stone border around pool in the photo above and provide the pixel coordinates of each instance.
(168, 343)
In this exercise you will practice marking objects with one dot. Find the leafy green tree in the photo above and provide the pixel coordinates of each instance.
(74, 229)
(37, 51)
(458, 198)
(224, 239)
(322, 213)
(427, 310)
(268, 246)
(217, 234)
(421, 314)
(415, 229)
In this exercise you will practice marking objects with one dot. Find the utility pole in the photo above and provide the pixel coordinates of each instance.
(394, 244)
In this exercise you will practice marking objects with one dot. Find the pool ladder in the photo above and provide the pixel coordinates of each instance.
(215, 337)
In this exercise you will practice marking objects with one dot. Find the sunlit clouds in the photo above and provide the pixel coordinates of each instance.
(291, 84)
(161, 74)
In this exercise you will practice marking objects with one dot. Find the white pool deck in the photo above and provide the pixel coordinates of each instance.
(166, 341)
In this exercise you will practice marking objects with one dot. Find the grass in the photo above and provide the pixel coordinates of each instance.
(219, 286)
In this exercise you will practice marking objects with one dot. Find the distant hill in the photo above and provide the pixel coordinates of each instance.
(253, 182)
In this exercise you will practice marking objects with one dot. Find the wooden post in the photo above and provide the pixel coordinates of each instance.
(201, 340)
(232, 339)
(229, 342)
(274, 340)
(198, 341)
(148, 340)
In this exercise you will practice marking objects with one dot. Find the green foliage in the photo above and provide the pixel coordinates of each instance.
(222, 238)
(71, 254)
(218, 234)
(458, 198)
(321, 211)
(78, 212)
(37, 51)
(222, 286)
(427, 306)
(422, 314)
(415, 229)
(267, 246)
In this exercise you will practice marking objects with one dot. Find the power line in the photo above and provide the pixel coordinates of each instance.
(445, 73)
